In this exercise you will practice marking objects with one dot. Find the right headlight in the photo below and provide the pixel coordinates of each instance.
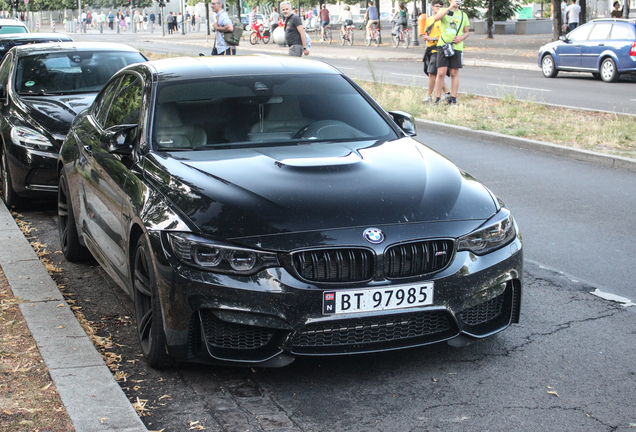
(498, 232)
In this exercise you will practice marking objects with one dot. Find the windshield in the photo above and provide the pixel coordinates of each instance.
(70, 72)
(12, 29)
(254, 111)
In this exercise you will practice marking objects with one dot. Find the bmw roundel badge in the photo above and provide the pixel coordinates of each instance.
(374, 235)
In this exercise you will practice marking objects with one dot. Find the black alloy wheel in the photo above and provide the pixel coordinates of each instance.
(11, 199)
(148, 314)
(69, 238)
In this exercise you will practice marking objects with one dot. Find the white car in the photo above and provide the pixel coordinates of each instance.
(12, 26)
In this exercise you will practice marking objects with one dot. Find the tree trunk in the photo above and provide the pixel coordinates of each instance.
(557, 21)
(626, 9)
(583, 16)
(490, 22)
(207, 15)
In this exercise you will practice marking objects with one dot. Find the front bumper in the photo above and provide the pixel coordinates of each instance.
(271, 317)
(33, 172)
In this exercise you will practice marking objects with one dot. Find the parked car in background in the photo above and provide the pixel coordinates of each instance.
(12, 26)
(8, 41)
(604, 47)
(271, 209)
(42, 88)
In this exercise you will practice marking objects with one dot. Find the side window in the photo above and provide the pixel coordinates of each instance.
(600, 31)
(126, 105)
(102, 103)
(580, 33)
(622, 32)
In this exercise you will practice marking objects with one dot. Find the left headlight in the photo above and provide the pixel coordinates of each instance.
(497, 232)
(30, 138)
(220, 258)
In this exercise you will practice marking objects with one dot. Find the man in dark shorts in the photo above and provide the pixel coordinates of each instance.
(294, 31)
(454, 29)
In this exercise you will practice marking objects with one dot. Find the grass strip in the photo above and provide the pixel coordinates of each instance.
(595, 131)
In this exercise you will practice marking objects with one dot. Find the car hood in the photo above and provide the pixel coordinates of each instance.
(254, 192)
(55, 113)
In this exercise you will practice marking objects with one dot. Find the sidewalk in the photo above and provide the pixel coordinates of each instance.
(504, 51)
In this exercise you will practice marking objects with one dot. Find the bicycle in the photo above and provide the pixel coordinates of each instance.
(373, 36)
(347, 36)
(259, 33)
(401, 38)
(327, 37)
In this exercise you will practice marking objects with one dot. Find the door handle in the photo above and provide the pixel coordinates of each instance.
(601, 44)
(88, 150)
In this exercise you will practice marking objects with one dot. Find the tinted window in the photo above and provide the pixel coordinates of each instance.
(12, 29)
(600, 31)
(580, 33)
(622, 31)
(70, 72)
(126, 105)
(264, 110)
(5, 69)
(102, 103)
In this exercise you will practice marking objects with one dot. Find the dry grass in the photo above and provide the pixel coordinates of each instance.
(601, 132)
(28, 398)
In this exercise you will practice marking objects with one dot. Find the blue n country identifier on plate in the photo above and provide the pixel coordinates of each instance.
(377, 299)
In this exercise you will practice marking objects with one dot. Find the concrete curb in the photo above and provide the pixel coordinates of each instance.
(528, 144)
(93, 399)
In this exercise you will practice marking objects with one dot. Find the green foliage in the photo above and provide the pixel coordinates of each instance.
(504, 9)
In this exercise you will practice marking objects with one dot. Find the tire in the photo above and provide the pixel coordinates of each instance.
(152, 337)
(10, 198)
(407, 40)
(350, 39)
(253, 38)
(376, 40)
(609, 72)
(395, 39)
(342, 38)
(267, 38)
(547, 66)
(69, 239)
(367, 40)
(328, 37)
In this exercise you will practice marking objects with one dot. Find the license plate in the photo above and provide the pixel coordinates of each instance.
(377, 299)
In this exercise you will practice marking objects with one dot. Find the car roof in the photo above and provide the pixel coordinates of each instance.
(20, 37)
(71, 46)
(6, 21)
(623, 20)
(205, 67)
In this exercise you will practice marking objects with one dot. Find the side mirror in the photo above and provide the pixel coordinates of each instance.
(120, 139)
(405, 121)
(563, 38)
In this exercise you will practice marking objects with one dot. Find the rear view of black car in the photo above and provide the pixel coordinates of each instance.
(42, 88)
(257, 209)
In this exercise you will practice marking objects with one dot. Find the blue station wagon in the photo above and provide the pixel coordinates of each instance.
(604, 47)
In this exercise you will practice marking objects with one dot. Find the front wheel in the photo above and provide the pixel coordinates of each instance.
(11, 199)
(69, 238)
(609, 73)
(406, 41)
(328, 35)
(343, 37)
(152, 337)
(367, 40)
(350, 37)
(254, 38)
(547, 67)
(395, 39)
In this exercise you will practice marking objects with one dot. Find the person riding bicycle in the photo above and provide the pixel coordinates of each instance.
(324, 21)
(346, 18)
(372, 17)
(402, 20)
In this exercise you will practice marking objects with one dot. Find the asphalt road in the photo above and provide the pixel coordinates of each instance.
(569, 364)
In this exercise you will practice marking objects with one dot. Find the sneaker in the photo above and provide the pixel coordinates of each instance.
(446, 96)
(437, 101)
(427, 98)
(321, 41)
(451, 101)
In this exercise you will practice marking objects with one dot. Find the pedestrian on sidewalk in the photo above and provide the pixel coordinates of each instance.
(617, 13)
(222, 24)
(152, 18)
(273, 19)
(433, 32)
(454, 30)
(294, 31)
(573, 12)
(111, 20)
